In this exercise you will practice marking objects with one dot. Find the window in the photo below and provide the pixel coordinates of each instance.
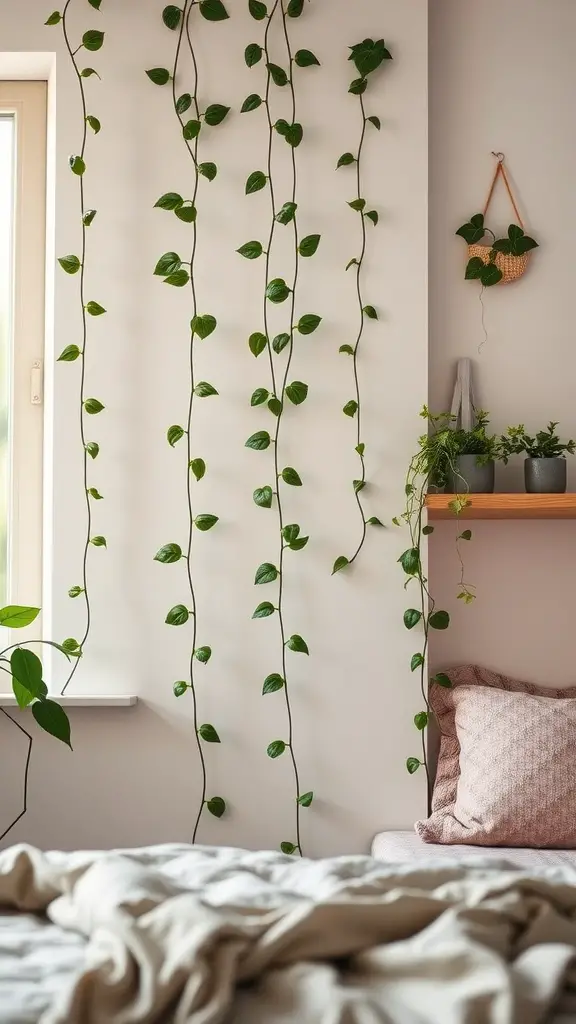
(22, 266)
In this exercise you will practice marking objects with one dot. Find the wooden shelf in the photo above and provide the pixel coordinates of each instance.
(505, 506)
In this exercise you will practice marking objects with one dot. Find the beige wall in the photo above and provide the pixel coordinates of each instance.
(503, 77)
(133, 776)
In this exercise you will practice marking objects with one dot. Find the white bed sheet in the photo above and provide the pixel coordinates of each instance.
(404, 847)
(36, 960)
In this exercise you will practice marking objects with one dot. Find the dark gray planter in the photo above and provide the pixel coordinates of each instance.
(545, 476)
(470, 478)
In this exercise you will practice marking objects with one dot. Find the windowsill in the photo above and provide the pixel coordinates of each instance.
(8, 700)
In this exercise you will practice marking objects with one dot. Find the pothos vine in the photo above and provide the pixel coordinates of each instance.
(434, 465)
(367, 57)
(180, 273)
(72, 264)
(274, 396)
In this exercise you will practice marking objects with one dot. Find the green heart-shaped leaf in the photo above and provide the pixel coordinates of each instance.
(259, 441)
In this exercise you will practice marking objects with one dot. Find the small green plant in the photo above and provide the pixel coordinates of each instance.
(517, 243)
(28, 686)
(444, 442)
(544, 445)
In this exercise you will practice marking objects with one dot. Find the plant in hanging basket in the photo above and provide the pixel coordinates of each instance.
(503, 260)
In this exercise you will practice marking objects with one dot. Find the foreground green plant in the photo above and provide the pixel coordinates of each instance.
(28, 686)
(176, 272)
(367, 57)
(278, 390)
(75, 265)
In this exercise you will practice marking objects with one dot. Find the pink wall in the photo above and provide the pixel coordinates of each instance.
(503, 77)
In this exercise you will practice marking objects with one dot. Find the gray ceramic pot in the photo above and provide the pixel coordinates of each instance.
(545, 476)
(470, 478)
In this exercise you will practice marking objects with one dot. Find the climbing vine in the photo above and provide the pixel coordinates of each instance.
(426, 615)
(180, 273)
(75, 265)
(367, 57)
(280, 351)
(434, 466)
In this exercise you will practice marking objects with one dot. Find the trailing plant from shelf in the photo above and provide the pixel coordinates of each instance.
(279, 394)
(76, 266)
(445, 443)
(430, 468)
(367, 57)
(30, 691)
(545, 444)
(194, 124)
(486, 263)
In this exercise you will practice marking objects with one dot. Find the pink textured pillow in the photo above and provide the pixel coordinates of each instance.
(506, 767)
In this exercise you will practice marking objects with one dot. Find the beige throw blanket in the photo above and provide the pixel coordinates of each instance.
(202, 935)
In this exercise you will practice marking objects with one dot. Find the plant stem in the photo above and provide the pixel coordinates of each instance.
(82, 356)
(360, 335)
(26, 773)
(277, 436)
(193, 151)
(281, 379)
(426, 607)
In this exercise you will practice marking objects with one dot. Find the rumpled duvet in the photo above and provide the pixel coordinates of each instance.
(196, 934)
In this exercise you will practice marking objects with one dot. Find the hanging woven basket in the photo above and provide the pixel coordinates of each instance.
(511, 267)
(506, 259)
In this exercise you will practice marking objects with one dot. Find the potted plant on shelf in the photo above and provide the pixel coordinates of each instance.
(545, 462)
(456, 460)
(473, 467)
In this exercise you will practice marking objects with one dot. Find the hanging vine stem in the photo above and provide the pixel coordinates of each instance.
(277, 291)
(433, 464)
(412, 564)
(29, 742)
(173, 270)
(20, 663)
(92, 41)
(367, 56)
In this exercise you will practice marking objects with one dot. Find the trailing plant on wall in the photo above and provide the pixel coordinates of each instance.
(433, 467)
(28, 686)
(75, 265)
(194, 123)
(280, 392)
(367, 57)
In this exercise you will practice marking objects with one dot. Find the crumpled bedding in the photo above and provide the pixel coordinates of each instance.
(37, 960)
(215, 936)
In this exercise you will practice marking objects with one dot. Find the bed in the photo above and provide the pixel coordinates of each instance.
(403, 847)
(221, 936)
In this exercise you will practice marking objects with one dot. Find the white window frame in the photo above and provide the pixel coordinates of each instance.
(26, 101)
